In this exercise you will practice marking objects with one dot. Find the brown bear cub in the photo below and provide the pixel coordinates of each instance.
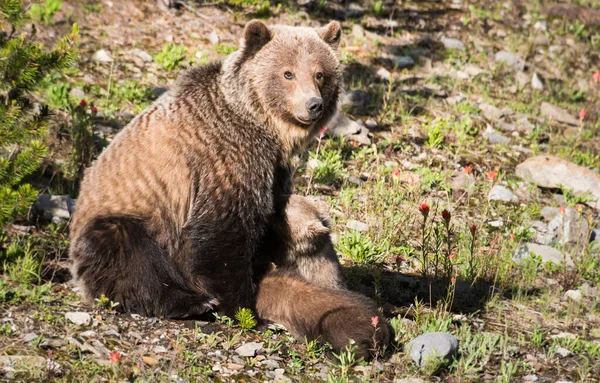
(303, 288)
(302, 246)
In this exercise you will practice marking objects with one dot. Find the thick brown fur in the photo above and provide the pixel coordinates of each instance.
(305, 247)
(172, 213)
(330, 315)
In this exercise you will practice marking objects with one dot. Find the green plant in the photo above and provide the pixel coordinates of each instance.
(23, 124)
(23, 262)
(105, 302)
(171, 56)
(245, 319)
(45, 12)
(227, 321)
(328, 165)
(359, 248)
(224, 49)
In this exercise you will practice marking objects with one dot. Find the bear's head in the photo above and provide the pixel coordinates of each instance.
(291, 73)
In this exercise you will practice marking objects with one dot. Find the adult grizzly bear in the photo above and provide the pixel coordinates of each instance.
(171, 214)
(176, 215)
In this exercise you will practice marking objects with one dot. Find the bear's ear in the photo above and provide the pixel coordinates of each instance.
(331, 34)
(256, 35)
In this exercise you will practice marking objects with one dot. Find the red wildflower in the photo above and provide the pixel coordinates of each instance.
(424, 209)
(468, 169)
(582, 113)
(491, 175)
(83, 103)
(115, 357)
(562, 210)
(446, 216)
(94, 110)
(375, 320)
(453, 280)
(473, 229)
(452, 256)
(396, 172)
(596, 77)
(579, 207)
(322, 132)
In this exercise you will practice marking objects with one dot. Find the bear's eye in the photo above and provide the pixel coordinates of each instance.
(288, 75)
(319, 75)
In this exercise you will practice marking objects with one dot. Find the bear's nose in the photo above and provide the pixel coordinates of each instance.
(315, 107)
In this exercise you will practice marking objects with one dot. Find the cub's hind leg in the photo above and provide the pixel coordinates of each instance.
(116, 256)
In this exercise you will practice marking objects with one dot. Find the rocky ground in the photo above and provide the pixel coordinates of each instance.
(487, 110)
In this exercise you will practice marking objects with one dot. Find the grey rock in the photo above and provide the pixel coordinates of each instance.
(522, 79)
(356, 98)
(79, 318)
(589, 290)
(145, 56)
(558, 114)
(536, 83)
(505, 127)
(490, 112)
(355, 180)
(501, 193)
(342, 126)
(213, 37)
(523, 125)
(383, 74)
(549, 212)
(10, 363)
(102, 56)
(61, 206)
(358, 32)
(29, 337)
(530, 378)
(402, 62)
(542, 235)
(450, 43)
(434, 344)
(270, 364)
(495, 137)
(550, 172)
(357, 225)
(88, 334)
(563, 351)
(497, 223)
(570, 228)
(77, 93)
(546, 253)
(249, 349)
(574, 295)
(462, 181)
(510, 60)
(540, 25)
(370, 124)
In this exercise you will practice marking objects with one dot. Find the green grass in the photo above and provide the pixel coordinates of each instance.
(171, 56)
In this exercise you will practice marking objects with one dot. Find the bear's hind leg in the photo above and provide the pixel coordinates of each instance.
(116, 256)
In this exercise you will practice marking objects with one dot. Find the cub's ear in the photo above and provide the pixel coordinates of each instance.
(331, 34)
(256, 35)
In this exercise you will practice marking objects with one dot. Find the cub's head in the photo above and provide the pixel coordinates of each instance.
(292, 72)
